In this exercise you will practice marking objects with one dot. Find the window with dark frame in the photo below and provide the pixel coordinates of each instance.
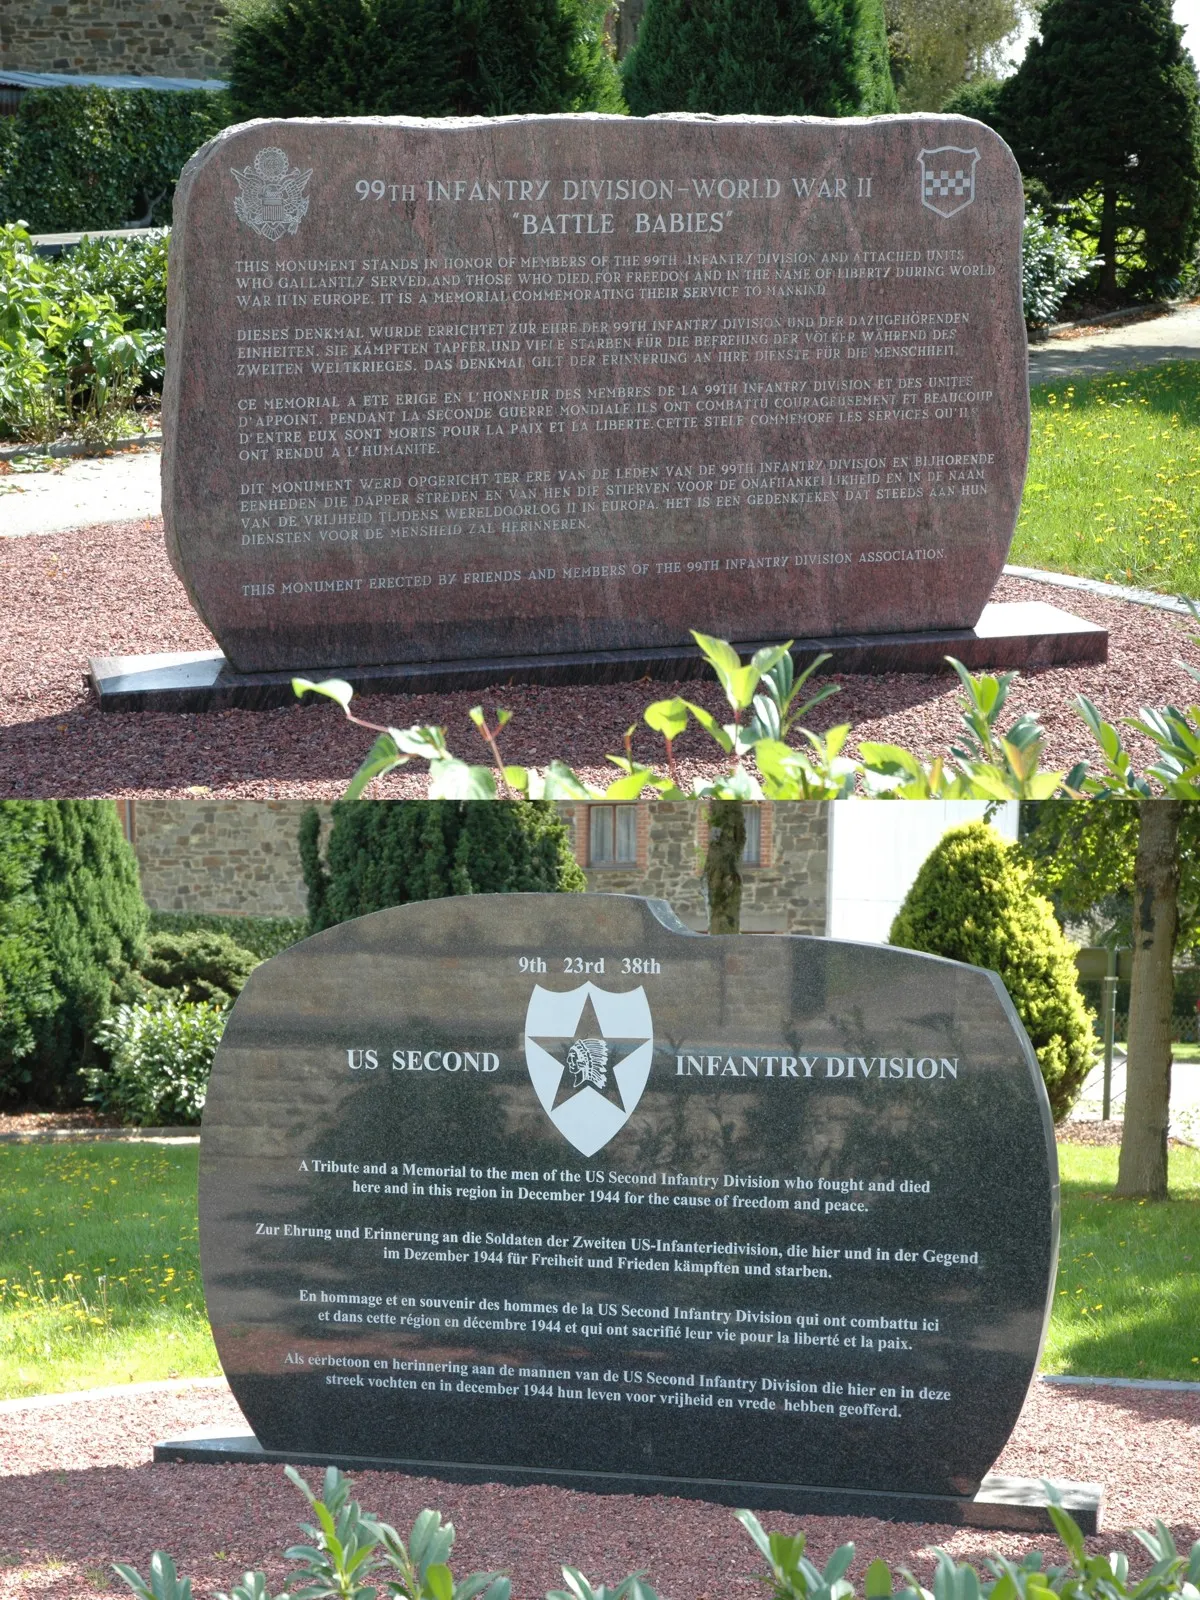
(612, 836)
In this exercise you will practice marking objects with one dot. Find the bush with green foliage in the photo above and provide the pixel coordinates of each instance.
(198, 966)
(80, 338)
(1051, 266)
(975, 899)
(78, 159)
(400, 850)
(1105, 110)
(27, 991)
(351, 1553)
(264, 937)
(70, 860)
(826, 58)
(160, 1057)
(424, 58)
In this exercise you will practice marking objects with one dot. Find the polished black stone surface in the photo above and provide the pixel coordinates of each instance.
(545, 1184)
(1023, 634)
(1014, 1505)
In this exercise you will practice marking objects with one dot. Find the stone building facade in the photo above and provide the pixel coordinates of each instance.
(783, 880)
(167, 38)
(241, 858)
(236, 858)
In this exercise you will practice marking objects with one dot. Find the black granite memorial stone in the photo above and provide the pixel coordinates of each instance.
(547, 1186)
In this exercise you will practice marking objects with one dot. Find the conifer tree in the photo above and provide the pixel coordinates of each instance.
(1105, 105)
(389, 852)
(87, 939)
(421, 58)
(824, 58)
(975, 899)
(27, 993)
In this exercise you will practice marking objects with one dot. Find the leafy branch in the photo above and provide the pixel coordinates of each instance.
(767, 705)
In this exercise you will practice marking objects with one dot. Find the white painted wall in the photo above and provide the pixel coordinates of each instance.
(876, 848)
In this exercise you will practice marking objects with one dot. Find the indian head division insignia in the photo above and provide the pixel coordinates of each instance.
(589, 1053)
(272, 200)
(947, 178)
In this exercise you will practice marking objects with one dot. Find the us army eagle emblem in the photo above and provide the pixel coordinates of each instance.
(272, 200)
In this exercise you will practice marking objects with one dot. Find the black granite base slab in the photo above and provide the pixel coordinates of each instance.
(1007, 1504)
(1027, 635)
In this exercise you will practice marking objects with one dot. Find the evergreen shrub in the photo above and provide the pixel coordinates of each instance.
(27, 993)
(74, 159)
(388, 852)
(198, 966)
(975, 899)
(826, 58)
(1105, 111)
(90, 929)
(159, 1060)
(422, 58)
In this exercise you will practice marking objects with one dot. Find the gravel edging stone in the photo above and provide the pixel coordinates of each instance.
(1117, 591)
(70, 447)
(1177, 1384)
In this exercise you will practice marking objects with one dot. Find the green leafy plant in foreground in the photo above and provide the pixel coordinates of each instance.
(984, 764)
(347, 1546)
(764, 696)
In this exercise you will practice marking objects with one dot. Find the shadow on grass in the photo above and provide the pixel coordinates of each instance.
(1127, 1299)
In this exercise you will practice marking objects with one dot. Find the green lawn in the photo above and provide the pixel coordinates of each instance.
(99, 1271)
(100, 1280)
(1127, 1302)
(1113, 490)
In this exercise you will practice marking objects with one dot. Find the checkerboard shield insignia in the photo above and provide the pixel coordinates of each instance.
(947, 178)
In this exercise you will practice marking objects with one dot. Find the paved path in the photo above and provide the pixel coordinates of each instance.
(1185, 1095)
(1175, 337)
(123, 487)
(81, 493)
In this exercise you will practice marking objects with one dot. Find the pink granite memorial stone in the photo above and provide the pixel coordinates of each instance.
(446, 390)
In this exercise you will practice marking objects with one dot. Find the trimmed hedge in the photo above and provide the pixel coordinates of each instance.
(262, 936)
(78, 158)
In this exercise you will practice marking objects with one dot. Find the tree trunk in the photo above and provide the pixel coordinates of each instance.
(722, 865)
(629, 18)
(1143, 1166)
(1108, 244)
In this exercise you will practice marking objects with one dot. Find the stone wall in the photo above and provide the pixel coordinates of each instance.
(240, 858)
(171, 38)
(786, 894)
(223, 857)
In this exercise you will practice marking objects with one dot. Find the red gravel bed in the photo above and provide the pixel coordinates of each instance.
(77, 1491)
(109, 590)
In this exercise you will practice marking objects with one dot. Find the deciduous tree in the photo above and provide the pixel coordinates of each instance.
(1149, 849)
